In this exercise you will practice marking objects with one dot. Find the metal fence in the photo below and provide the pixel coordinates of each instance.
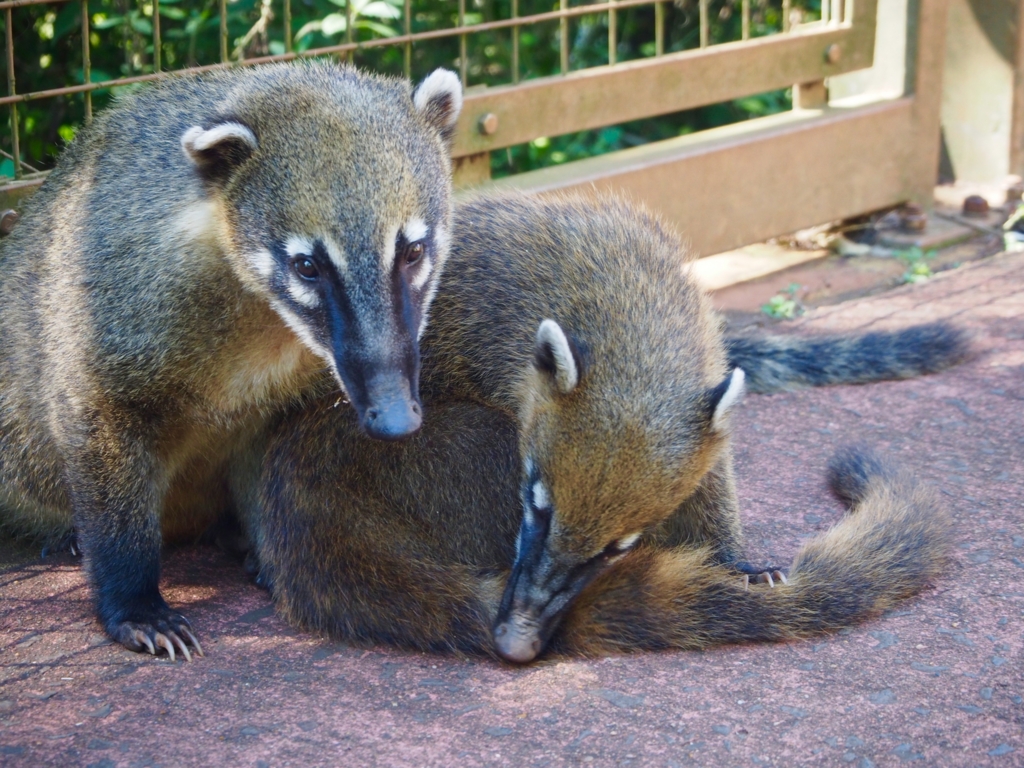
(801, 54)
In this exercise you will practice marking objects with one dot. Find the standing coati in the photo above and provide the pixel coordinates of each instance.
(573, 486)
(206, 252)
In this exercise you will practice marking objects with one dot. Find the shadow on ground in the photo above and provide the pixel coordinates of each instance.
(939, 680)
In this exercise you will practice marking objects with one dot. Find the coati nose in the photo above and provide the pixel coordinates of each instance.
(393, 419)
(515, 646)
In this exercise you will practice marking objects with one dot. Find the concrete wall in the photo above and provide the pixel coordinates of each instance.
(977, 102)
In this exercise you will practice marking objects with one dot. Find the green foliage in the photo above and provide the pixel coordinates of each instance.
(916, 261)
(48, 51)
(784, 306)
(1013, 239)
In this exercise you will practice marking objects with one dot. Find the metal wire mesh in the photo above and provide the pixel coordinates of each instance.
(832, 11)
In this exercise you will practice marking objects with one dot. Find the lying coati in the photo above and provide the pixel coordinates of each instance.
(573, 486)
(209, 250)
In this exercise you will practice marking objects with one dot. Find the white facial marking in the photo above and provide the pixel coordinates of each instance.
(387, 259)
(297, 245)
(415, 229)
(733, 394)
(195, 139)
(439, 83)
(263, 262)
(442, 241)
(302, 292)
(336, 254)
(540, 496)
(627, 541)
(566, 375)
(423, 274)
(300, 329)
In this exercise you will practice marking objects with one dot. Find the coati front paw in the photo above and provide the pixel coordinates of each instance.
(260, 574)
(65, 545)
(765, 577)
(754, 575)
(162, 631)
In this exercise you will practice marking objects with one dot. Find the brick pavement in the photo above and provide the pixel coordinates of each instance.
(938, 681)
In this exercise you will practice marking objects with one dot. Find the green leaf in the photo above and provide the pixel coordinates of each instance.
(332, 24)
(380, 10)
(142, 25)
(375, 26)
(108, 22)
(69, 18)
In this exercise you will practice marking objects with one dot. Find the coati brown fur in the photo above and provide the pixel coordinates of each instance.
(572, 488)
(209, 250)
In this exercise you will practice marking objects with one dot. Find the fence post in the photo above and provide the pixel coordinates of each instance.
(1017, 131)
(926, 46)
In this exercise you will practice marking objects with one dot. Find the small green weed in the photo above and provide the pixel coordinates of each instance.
(1013, 240)
(916, 261)
(784, 306)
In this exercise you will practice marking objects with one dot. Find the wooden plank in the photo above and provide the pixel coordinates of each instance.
(1017, 130)
(600, 96)
(744, 183)
(926, 57)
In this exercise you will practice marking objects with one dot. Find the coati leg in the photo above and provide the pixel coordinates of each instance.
(711, 518)
(890, 545)
(116, 492)
(389, 596)
(64, 545)
(348, 567)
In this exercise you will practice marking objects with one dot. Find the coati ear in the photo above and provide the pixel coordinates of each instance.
(217, 151)
(439, 99)
(723, 398)
(556, 356)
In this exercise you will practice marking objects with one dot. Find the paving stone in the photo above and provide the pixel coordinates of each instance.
(266, 695)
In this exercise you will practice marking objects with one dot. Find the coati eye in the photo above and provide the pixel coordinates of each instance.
(305, 268)
(414, 252)
(621, 546)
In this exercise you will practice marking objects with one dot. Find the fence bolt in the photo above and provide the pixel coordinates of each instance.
(7, 221)
(976, 206)
(913, 218)
(488, 124)
(833, 53)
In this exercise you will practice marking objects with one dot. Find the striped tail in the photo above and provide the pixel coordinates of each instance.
(779, 363)
(891, 544)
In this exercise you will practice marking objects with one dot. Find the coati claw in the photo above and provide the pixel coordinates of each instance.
(66, 544)
(193, 641)
(167, 645)
(769, 577)
(746, 583)
(180, 645)
(169, 632)
(142, 638)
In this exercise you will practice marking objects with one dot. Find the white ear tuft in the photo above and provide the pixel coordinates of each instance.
(554, 355)
(729, 399)
(216, 151)
(195, 139)
(439, 99)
